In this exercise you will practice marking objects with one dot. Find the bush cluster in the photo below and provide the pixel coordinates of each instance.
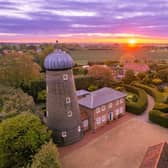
(139, 106)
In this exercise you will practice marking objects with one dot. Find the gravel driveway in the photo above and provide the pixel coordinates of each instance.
(122, 147)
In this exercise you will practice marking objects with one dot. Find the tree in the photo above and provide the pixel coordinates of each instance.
(47, 157)
(101, 72)
(14, 101)
(18, 68)
(20, 138)
(129, 76)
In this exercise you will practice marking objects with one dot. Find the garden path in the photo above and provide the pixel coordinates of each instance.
(145, 115)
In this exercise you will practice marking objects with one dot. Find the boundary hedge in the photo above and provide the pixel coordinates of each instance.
(159, 117)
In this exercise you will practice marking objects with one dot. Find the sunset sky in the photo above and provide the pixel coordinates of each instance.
(83, 20)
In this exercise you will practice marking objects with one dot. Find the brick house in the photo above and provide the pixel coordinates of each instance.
(100, 106)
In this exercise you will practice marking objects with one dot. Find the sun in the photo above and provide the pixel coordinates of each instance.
(132, 42)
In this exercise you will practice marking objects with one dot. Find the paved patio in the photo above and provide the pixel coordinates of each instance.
(123, 146)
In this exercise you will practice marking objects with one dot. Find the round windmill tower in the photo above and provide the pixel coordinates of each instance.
(63, 114)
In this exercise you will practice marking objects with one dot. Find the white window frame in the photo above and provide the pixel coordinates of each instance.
(85, 123)
(110, 105)
(121, 110)
(64, 134)
(68, 100)
(117, 102)
(98, 120)
(121, 101)
(117, 111)
(65, 76)
(69, 113)
(79, 128)
(104, 118)
(47, 89)
(98, 110)
(103, 108)
(46, 113)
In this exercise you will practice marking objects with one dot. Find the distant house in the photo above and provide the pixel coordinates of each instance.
(100, 106)
(156, 157)
(136, 67)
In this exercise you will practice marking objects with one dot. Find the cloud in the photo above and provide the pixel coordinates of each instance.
(72, 13)
(69, 17)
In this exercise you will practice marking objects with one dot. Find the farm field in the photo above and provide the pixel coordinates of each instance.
(83, 56)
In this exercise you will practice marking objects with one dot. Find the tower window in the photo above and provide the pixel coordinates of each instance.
(69, 113)
(64, 134)
(68, 100)
(65, 76)
(46, 113)
(79, 128)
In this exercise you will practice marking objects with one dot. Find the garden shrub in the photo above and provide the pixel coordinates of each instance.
(92, 88)
(20, 138)
(159, 117)
(41, 96)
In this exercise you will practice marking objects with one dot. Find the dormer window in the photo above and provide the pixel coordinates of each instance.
(68, 100)
(65, 76)
(69, 113)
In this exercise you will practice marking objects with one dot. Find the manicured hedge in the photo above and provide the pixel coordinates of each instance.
(139, 106)
(159, 117)
(158, 96)
(161, 107)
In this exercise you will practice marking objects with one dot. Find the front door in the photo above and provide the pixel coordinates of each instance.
(110, 116)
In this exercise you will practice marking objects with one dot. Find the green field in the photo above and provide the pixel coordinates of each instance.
(82, 57)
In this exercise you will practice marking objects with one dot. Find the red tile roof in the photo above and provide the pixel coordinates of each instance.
(137, 67)
(154, 157)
